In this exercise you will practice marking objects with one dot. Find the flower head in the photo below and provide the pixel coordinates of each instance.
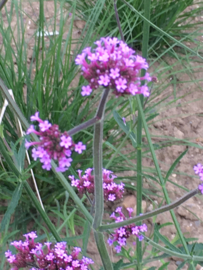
(85, 183)
(198, 169)
(121, 234)
(53, 144)
(55, 257)
(114, 65)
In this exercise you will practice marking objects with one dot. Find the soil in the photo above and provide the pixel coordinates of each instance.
(181, 121)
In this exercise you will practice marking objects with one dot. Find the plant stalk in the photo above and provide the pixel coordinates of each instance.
(97, 162)
(82, 126)
(98, 183)
(153, 213)
(173, 253)
(145, 41)
(99, 238)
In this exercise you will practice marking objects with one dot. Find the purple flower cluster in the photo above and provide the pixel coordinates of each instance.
(121, 234)
(85, 184)
(114, 65)
(53, 144)
(198, 169)
(32, 254)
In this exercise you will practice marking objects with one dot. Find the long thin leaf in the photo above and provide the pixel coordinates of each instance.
(12, 206)
(175, 164)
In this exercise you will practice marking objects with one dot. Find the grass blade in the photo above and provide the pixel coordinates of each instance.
(12, 206)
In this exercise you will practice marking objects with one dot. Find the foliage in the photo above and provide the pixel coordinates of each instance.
(176, 18)
(48, 81)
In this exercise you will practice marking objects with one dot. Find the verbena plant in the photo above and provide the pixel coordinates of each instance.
(39, 95)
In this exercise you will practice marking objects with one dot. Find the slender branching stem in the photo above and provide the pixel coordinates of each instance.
(97, 161)
(99, 238)
(174, 253)
(145, 41)
(118, 20)
(82, 126)
(155, 212)
(98, 183)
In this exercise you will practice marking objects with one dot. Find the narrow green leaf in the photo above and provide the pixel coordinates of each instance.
(10, 235)
(152, 116)
(156, 258)
(164, 266)
(125, 128)
(118, 265)
(21, 156)
(12, 206)
(194, 247)
(120, 122)
(167, 243)
(2, 131)
(175, 164)
(87, 230)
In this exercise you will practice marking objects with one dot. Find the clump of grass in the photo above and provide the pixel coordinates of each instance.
(176, 18)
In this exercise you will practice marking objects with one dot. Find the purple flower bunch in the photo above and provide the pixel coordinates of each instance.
(53, 144)
(31, 254)
(114, 65)
(198, 169)
(85, 184)
(121, 234)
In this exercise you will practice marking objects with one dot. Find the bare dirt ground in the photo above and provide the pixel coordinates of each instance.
(182, 121)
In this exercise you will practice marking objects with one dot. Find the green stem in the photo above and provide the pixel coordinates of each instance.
(173, 253)
(82, 126)
(145, 41)
(92, 121)
(153, 213)
(97, 158)
(118, 20)
(99, 238)
(162, 182)
(40, 56)
(98, 183)
(98, 179)
(139, 187)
